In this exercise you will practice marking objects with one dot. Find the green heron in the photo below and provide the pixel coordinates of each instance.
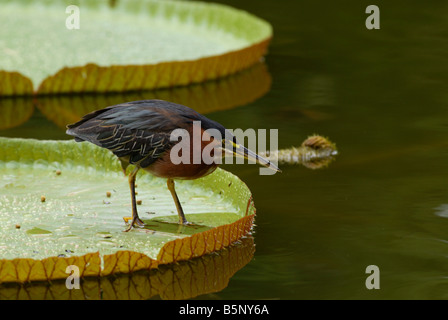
(139, 133)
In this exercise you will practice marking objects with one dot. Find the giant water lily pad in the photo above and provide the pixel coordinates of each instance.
(62, 203)
(132, 45)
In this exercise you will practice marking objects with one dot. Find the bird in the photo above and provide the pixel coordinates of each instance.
(140, 133)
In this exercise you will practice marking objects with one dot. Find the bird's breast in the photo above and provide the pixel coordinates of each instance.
(166, 169)
(193, 164)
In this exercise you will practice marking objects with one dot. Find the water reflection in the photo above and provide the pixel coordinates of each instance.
(442, 210)
(15, 112)
(223, 94)
(184, 280)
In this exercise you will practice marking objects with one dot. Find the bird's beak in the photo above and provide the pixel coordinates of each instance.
(241, 151)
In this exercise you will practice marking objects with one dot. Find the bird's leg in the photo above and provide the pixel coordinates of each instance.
(135, 217)
(124, 165)
(180, 212)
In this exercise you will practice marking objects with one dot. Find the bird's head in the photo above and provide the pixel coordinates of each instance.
(231, 146)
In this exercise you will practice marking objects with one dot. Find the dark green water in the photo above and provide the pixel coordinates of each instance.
(381, 96)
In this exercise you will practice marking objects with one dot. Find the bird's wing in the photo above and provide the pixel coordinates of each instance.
(142, 147)
(135, 131)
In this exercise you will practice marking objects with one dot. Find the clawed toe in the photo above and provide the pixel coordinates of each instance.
(135, 222)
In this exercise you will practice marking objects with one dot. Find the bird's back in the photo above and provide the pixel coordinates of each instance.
(138, 131)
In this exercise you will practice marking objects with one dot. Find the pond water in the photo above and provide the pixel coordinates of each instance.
(381, 96)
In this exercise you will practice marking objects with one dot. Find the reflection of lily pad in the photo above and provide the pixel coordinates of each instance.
(133, 46)
(184, 280)
(15, 111)
(84, 229)
(210, 96)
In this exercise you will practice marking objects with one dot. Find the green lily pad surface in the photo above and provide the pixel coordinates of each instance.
(66, 199)
(37, 43)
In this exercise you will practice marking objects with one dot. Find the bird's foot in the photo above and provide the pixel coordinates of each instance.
(135, 221)
(185, 223)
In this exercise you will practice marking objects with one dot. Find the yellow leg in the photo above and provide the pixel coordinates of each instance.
(180, 212)
(124, 165)
(135, 218)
